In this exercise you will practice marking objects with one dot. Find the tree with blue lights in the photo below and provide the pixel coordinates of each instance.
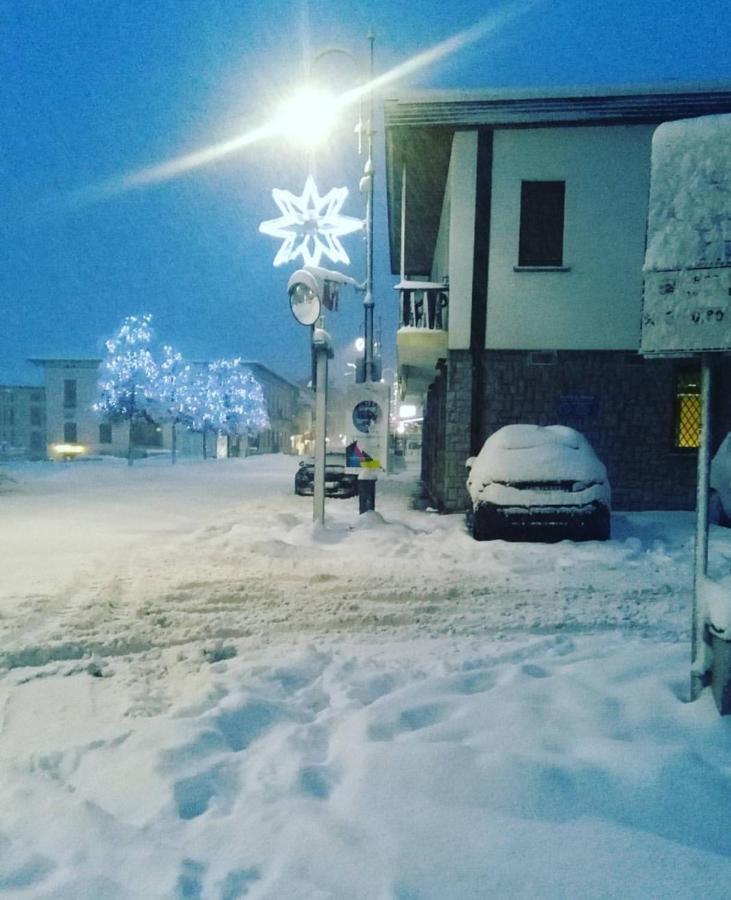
(225, 398)
(128, 374)
(172, 389)
(204, 405)
(244, 408)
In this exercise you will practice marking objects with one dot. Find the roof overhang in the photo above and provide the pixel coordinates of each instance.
(419, 129)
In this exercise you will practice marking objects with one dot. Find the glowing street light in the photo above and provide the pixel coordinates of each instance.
(309, 116)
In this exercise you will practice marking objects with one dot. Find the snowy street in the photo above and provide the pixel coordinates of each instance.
(203, 696)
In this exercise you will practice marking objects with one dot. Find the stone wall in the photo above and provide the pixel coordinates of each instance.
(625, 406)
(446, 437)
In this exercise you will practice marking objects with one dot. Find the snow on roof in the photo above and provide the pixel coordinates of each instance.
(406, 285)
(689, 217)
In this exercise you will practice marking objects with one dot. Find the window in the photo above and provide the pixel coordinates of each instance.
(35, 415)
(105, 433)
(36, 441)
(687, 426)
(541, 223)
(69, 392)
(69, 432)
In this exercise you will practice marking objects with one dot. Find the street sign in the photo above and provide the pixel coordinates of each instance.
(686, 306)
(686, 311)
(366, 427)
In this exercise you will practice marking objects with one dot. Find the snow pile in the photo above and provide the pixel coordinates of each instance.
(689, 218)
(202, 695)
(715, 600)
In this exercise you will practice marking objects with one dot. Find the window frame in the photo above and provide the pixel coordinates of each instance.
(541, 227)
(685, 372)
(70, 393)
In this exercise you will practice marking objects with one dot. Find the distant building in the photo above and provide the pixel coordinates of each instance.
(71, 391)
(65, 409)
(22, 422)
(282, 401)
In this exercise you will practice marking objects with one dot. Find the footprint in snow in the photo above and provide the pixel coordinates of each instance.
(534, 671)
(475, 682)
(193, 795)
(413, 719)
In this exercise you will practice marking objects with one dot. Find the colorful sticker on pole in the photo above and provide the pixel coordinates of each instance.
(355, 458)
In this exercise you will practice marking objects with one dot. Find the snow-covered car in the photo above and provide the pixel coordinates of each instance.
(719, 498)
(338, 483)
(533, 482)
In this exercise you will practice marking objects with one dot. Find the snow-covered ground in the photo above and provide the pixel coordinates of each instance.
(202, 696)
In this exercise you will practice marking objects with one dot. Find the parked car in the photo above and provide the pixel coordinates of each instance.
(719, 497)
(532, 482)
(338, 483)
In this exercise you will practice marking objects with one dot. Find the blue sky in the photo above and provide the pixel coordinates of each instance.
(93, 89)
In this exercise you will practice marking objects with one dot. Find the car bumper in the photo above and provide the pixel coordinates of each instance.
(540, 523)
(338, 489)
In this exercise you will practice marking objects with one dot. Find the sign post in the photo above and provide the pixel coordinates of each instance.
(366, 429)
(686, 312)
(321, 347)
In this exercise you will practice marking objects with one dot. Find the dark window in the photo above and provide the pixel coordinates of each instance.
(69, 432)
(541, 223)
(36, 397)
(35, 415)
(36, 440)
(105, 433)
(69, 392)
(146, 434)
(687, 426)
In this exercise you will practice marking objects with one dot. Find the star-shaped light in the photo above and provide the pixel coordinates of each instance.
(310, 225)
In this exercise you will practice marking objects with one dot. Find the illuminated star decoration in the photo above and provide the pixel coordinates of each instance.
(310, 225)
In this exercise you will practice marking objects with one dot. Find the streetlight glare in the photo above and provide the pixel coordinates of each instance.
(309, 116)
(360, 344)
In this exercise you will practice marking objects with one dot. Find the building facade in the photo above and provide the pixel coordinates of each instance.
(22, 422)
(67, 416)
(517, 225)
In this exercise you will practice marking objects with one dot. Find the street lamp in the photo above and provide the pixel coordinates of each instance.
(310, 289)
(311, 115)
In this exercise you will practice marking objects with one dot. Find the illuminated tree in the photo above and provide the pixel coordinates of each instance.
(172, 392)
(225, 398)
(128, 374)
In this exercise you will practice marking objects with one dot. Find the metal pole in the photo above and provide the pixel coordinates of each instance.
(697, 672)
(369, 172)
(402, 267)
(318, 511)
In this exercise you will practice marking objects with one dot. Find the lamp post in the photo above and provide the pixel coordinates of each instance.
(310, 289)
(316, 223)
(367, 189)
(367, 476)
(369, 178)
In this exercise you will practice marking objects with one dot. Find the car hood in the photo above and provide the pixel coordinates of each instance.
(534, 454)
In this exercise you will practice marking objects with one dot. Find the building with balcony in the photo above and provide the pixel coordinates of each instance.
(517, 229)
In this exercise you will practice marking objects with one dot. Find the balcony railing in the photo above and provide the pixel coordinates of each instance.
(424, 305)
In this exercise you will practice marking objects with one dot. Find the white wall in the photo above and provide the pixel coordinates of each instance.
(597, 303)
(456, 238)
(87, 421)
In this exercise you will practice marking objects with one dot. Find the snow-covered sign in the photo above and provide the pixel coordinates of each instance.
(687, 281)
(310, 225)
